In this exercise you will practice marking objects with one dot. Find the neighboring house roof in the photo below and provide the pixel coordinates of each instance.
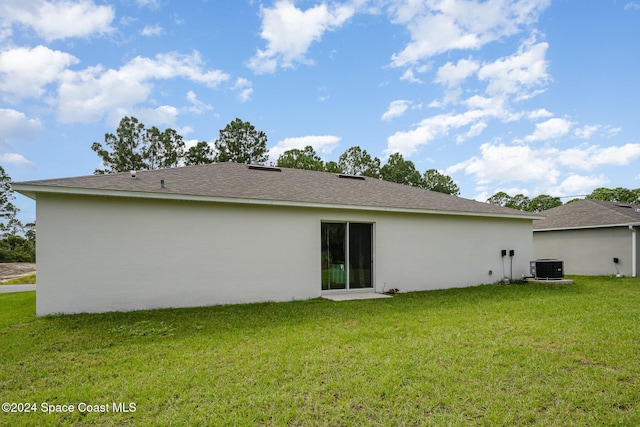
(588, 213)
(240, 183)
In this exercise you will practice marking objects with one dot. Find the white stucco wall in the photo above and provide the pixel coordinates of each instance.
(114, 254)
(587, 251)
(418, 253)
(105, 254)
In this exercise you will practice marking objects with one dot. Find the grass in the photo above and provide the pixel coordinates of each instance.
(24, 280)
(543, 354)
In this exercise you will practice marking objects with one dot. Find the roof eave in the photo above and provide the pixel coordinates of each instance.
(582, 227)
(31, 191)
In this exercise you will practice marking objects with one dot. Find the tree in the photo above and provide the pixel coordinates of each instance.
(436, 181)
(13, 248)
(356, 161)
(162, 149)
(124, 150)
(17, 249)
(199, 154)
(543, 202)
(240, 142)
(332, 167)
(519, 201)
(399, 170)
(499, 199)
(134, 147)
(9, 223)
(6, 195)
(301, 159)
(618, 194)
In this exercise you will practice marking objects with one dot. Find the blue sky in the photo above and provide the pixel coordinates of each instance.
(530, 96)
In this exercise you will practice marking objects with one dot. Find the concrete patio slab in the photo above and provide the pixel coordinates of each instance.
(349, 296)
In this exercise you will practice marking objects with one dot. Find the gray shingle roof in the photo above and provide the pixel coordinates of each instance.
(242, 183)
(587, 214)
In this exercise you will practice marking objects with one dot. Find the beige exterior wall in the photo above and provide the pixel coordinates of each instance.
(587, 251)
(437, 252)
(100, 254)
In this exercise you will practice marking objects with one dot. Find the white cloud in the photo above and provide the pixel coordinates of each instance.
(541, 113)
(25, 71)
(396, 109)
(551, 129)
(409, 76)
(55, 20)
(244, 88)
(504, 163)
(162, 115)
(15, 125)
(198, 106)
(518, 73)
(322, 143)
(501, 163)
(479, 110)
(576, 184)
(152, 4)
(438, 27)
(87, 95)
(514, 77)
(475, 130)
(490, 107)
(586, 132)
(290, 31)
(429, 129)
(451, 75)
(152, 30)
(590, 157)
(16, 159)
(632, 6)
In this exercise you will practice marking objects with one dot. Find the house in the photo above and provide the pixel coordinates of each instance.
(592, 237)
(233, 233)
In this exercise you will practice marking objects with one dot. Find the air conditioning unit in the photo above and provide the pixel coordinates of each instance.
(547, 269)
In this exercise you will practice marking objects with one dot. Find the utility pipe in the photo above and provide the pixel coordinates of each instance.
(634, 257)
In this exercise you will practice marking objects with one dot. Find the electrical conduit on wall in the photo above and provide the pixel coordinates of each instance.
(634, 256)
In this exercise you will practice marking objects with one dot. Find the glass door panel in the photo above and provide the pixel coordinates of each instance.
(360, 258)
(334, 273)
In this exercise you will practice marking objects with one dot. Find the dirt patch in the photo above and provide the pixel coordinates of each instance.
(11, 270)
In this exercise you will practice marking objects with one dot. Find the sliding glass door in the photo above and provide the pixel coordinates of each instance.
(347, 255)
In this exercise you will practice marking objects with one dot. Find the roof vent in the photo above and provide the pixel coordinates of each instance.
(347, 176)
(624, 206)
(264, 168)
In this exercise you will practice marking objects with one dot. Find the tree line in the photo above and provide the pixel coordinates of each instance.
(544, 201)
(136, 147)
(17, 240)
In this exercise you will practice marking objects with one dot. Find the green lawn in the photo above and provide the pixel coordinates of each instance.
(549, 355)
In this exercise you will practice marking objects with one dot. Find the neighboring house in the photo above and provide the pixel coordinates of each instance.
(592, 237)
(232, 233)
